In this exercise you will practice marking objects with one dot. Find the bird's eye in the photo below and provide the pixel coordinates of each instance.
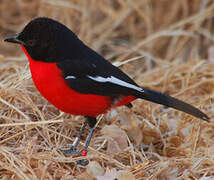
(31, 42)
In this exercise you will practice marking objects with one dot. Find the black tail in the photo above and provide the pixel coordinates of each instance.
(169, 101)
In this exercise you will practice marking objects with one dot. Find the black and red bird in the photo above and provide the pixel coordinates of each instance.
(79, 81)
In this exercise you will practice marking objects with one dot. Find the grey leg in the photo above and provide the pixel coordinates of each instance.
(91, 121)
(85, 151)
(73, 148)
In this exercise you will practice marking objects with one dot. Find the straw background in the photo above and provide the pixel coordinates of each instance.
(164, 45)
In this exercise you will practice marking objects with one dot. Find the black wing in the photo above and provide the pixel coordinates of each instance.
(97, 77)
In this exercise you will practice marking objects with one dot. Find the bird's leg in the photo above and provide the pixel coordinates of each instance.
(73, 148)
(91, 122)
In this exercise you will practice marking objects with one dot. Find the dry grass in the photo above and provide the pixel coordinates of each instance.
(168, 45)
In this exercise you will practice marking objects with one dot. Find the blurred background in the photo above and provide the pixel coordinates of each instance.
(157, 31)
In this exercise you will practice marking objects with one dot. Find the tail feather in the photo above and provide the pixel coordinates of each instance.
(169, 101)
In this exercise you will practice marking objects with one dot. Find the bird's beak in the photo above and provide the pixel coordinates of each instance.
(14, 39)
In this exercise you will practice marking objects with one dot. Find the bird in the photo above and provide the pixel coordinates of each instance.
(79, 81)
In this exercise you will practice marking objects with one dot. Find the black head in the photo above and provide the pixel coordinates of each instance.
(44, 39)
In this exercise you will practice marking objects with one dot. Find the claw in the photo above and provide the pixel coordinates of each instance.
(82, 162)
(71, 150)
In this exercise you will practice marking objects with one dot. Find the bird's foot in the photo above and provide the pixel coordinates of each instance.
(71, 150)
(82, 162)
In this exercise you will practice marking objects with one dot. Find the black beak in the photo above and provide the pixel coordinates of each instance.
(14, 39)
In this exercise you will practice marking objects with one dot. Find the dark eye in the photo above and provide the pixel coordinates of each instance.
(31, 42)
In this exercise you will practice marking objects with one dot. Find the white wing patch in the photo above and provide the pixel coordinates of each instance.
(70, 77)
(117, 81)
(112, 80)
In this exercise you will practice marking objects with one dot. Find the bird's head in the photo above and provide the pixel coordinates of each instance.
(43, 38)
